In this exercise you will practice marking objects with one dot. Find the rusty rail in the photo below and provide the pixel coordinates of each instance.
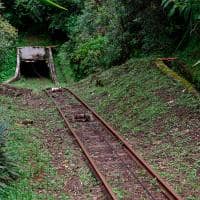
(92, 163)
(165, 187)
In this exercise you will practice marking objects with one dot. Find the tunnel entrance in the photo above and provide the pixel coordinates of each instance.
(34, 62)
(36, 69)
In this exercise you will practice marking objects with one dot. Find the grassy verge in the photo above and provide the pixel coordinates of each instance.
(36, 174)
(155, 114)
(36, 84)
(49, 163)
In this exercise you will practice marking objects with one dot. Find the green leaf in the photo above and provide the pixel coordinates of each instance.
(52, 3)
(172, 11)
(196, 17)
(167, 3)
(164, 2)
(182, 9)
(197, 63)
(187, 12)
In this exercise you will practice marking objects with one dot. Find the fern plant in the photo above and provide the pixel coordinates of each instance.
(6, 166)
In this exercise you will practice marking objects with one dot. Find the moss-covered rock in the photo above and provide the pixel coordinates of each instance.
(176, 77)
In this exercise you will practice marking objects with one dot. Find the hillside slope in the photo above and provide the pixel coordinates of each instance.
(155, 114)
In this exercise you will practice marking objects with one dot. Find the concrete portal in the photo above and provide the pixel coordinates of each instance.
(34, 62)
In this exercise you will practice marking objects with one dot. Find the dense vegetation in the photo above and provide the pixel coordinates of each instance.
(98, 34)
(8, 35)
(92, 36)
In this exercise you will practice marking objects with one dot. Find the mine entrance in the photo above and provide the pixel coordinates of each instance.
(34, 62)
(36, 69)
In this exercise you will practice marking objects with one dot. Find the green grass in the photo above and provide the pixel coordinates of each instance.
(87, 178)
(25, 148)
(135, 98)
(127, 95)
(36, 84)
(120, 193)
(130, 100)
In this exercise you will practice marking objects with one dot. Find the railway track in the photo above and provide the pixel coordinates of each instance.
(123, 173)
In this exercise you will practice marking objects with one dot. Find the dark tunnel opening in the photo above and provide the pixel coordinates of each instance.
(36, 69)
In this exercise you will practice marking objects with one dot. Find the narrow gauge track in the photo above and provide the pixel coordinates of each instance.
(121, 171)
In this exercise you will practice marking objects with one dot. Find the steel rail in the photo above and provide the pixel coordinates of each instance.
(168, 191)
(130, 171)
(86, 153)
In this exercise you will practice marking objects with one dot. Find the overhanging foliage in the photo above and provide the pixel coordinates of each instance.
(52, 3)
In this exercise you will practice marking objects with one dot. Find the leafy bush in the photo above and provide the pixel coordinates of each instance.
(62, 62)
(8, 35)
(43, 15)
(189, 9)
(21, 12)
(99, 34)
(191, 56)
(88, 56)
(109, 32)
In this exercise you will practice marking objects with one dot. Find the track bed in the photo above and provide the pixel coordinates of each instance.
(122, 172)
